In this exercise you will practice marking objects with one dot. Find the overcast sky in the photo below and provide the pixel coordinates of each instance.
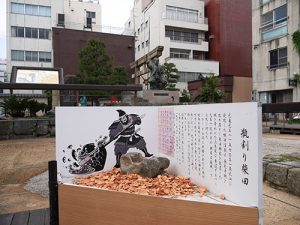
(114, 13)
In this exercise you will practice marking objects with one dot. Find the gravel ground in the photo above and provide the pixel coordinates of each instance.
(38, 184)
(280, 144)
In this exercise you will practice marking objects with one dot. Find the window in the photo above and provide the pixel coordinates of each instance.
(143, 45)
(31, 56)
(182, 36)
(138, 31)
(274, 23)
(90, 14)
(264, 1)
(188, 76)
(147, 43)
(278, 58)
(198, 55)
(17, 55)
(129, 24)
(45, 11)
(179, 53)
(138, 48)
(31, 10)
(31, 32)
(44, 33)
(44, 56)
(17, 31)
(17, 8)
(182, 14)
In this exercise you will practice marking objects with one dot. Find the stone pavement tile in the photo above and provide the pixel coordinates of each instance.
(13, 198)
(278, 213)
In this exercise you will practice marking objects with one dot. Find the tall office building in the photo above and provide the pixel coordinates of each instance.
(180, 27)
(29, 28)
(275, 60)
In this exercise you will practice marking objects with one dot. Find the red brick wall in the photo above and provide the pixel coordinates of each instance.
(230, 23)
(67, 44)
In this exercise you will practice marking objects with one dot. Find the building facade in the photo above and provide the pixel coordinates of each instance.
(29, 28)
(179, 26)
(230, 42)
(275, 60)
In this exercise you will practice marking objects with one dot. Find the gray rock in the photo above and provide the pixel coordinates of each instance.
(42, 127)
(293, 181)
(292, 163)
(265, 164)
(6, 127)
(52, 121)
(134, 162)
(24, 127)
(277, 174)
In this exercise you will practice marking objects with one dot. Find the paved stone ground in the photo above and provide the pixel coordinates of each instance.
(280, 208)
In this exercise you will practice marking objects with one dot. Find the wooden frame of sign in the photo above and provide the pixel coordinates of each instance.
(80, 205)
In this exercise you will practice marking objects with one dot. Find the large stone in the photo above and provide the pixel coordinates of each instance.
(24, 127)
(277, 174)
(6, 127)
(265, 164)
(42, 127)
(293, 181)
(146, 167)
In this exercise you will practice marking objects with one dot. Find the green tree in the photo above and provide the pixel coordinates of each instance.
(14, 106)
(171, 71)
(96, 68)
(95, 64)
(210, 93)
(185, 96)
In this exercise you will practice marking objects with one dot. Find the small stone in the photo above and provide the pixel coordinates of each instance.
(135, 163)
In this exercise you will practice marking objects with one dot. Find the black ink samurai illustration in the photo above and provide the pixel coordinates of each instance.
(128, 137)
(92, 157)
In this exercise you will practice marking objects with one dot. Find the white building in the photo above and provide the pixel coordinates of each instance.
(3, 73)
(180, 27)
(275, 60)
(29, 28)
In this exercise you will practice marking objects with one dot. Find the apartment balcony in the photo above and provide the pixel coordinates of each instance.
(187, 43)
(185, 22)
(197, 66)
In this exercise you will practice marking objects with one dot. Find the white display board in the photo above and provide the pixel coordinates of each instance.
(216, 145)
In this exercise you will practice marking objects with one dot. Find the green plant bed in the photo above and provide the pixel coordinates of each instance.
(281, 158)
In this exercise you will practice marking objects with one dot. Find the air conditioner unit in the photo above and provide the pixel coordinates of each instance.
(61, 20)
(89, 22)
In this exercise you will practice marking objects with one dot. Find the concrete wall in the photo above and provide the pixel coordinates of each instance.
(75, 15)
(242, 89)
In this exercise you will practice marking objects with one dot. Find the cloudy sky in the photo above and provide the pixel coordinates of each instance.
(114, 13)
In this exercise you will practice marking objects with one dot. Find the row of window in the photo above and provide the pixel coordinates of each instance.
(182, 14)
(274, 23)
(181, 36)
(185, 54)
(30, 56)
(143, 27)
(144, 44)
(188, 76)
(28, 9)
(30, 32)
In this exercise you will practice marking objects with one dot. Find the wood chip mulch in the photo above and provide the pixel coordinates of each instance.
(163, 185)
